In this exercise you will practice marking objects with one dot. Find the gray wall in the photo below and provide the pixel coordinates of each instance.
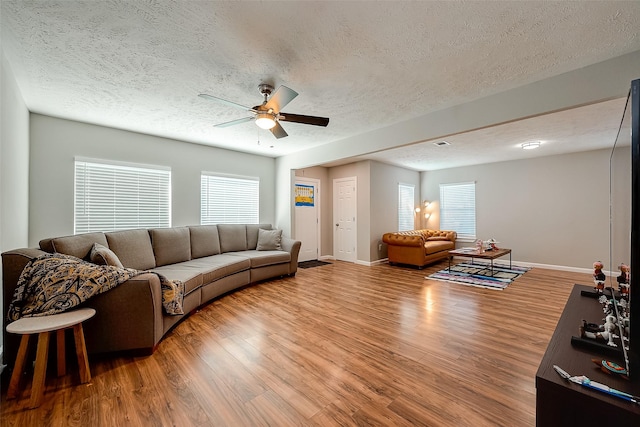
(384, 202)
(14, 166)
(377, 203)
(56, 142)
(549, 210)
(14, 163)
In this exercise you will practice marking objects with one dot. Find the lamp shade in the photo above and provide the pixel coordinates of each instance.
(265, 120)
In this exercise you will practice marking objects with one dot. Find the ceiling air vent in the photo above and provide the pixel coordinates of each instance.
(441, 143)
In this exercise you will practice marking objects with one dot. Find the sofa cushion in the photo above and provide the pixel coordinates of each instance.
(252, 234)
(264, 258)
(217, 266)
(170, 245)
(191, 278)
(432, 247)
(78, 246)
(233, 237)
(450, 235)
(101, 255)
(269, 240)
(204, 240)
(133, 248)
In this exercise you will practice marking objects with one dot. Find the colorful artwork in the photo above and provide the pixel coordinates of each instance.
(304, 195)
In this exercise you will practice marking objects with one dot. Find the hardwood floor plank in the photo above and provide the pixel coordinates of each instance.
(297, 399)
(336, 345)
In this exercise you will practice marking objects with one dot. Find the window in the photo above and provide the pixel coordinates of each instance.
(458, 209)
(229, 200)
(405, 207)
(118, 196)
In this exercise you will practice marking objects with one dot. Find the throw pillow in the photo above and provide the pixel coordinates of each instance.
(269, 240)
(102, 255)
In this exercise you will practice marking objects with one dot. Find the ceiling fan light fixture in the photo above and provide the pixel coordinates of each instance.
(265, 120)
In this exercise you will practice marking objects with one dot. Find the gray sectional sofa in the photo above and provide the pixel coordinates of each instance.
(210, 260)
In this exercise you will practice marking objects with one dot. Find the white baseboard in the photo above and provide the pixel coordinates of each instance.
(359, 262)
(519, 263)
(372, 263)
(552, 267)
(564, 268)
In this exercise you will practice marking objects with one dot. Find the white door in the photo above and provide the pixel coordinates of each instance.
(344, 218)
(307, 217)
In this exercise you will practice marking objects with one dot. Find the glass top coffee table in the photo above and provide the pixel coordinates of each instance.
(484, 254)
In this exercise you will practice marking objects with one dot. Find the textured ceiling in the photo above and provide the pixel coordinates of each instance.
(591, 127)
(139, 65)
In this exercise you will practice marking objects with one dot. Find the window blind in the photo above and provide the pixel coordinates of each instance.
(110, 197)
(406, 200)
(458, 209)
(229, 200)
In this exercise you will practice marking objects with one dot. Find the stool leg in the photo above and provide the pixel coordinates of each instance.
(62, 365)
(37, 389)
(81, 353)
(19, 366)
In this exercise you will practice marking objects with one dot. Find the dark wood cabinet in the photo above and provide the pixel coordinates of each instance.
(561, 403)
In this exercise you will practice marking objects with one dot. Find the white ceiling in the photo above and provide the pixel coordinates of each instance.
(591, 127)
(139, 66)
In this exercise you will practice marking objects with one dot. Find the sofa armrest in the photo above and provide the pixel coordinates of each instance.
(396, 239)
(128, 317)
(13, 262)
(293, 247)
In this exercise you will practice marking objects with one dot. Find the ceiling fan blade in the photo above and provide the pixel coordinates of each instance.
(280, 98)
(278, 131)
(233, 122)
(307, 120)
(224, 101)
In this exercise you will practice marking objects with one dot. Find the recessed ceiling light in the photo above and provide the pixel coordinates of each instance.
(530, 145)
(441, 143)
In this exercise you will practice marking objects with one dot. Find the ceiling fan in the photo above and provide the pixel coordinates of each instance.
(268, 115)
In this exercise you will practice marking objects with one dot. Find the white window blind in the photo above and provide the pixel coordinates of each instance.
(458, 209)
(405, 207)
(110, 197)
(229, 200)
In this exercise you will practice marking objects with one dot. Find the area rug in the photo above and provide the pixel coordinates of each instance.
(312, 263)
(479, 274)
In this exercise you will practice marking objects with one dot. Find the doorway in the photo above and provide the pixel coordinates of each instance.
(344, 218)
(307, 217)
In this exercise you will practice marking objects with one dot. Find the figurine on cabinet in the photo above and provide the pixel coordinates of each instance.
(601, 333)
(598, 276)
(623, 281)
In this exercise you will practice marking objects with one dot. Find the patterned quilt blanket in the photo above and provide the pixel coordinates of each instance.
(54, 283)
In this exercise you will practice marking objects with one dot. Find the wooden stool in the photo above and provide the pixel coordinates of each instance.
(28, 326)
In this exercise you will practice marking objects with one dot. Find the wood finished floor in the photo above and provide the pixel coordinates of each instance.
(337, 345)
